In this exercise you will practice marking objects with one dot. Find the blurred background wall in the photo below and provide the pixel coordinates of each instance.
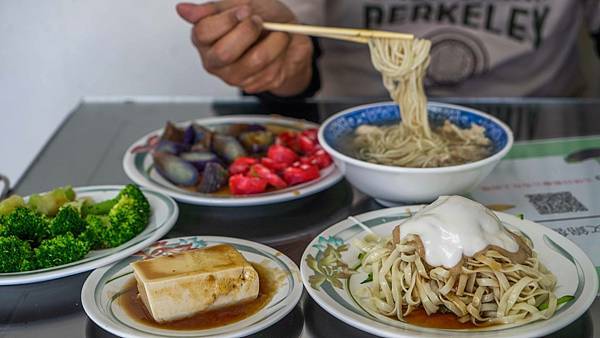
(52, 53)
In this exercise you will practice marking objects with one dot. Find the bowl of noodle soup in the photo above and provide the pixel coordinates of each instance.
(424, 177)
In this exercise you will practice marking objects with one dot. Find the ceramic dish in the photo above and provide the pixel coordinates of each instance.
(397, 185)
(98, 295)
(575, 273)
(139, 167)
(163, 217)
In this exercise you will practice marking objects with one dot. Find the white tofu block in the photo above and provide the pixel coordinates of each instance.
(184, 284)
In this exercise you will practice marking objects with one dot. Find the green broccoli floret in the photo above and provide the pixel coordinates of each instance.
(104, 207)
(66, 220)
(15, 255)
(26, 224)
(60, 250)
(100, 208)
(126, 219)
(49, 203)
(134, 192)
(123, 223)
(96, 231)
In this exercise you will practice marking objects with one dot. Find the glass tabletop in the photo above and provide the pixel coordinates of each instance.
(88, 150)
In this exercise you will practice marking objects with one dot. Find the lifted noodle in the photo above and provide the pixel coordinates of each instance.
(412, 143)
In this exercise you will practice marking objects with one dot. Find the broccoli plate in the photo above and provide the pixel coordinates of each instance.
(57, 228)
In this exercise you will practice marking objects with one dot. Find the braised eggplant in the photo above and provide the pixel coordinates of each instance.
(165, 146)
(175, 170)
(257, 141)
(199, 159)
(227, 147)
(172, 133)
(196, 134)
(235, 129)
(213, 178)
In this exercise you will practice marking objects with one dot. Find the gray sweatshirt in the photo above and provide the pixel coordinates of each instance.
(479, 47)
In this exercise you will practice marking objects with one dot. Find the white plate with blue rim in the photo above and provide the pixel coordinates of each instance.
(102, 292)
(164, 213)
(139, 166)
(335, 289)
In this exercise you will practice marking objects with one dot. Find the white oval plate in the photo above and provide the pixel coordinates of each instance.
(575, 273)
(100, 289)
(164, 214)
(139, 167)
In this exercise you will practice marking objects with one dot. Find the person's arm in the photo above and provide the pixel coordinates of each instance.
(313, 86)
(233, 46)
(310, 12)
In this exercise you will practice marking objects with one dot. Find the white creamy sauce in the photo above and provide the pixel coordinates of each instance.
(453, 226)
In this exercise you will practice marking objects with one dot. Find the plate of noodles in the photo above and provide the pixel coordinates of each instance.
(452, 267)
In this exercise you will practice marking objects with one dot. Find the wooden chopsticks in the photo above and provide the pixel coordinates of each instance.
(346, 34)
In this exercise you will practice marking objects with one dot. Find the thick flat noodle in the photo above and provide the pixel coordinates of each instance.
(490, 288)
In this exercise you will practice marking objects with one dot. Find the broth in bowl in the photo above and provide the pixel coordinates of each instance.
(373, 134)
(392, 185)
(391, 144)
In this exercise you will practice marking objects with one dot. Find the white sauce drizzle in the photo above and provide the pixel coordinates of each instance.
(453, 226)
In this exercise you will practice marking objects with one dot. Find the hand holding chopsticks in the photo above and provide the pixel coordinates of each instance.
(346, 34)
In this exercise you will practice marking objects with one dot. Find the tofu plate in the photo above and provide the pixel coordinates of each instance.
(197, 286)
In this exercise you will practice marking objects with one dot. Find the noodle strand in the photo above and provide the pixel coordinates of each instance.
(413, 143)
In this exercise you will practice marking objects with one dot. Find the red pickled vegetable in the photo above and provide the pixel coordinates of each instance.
(301, 174)
(266, 173)
(288, 139)
(307, 145)
(279, 153)
(282, 166)
(241, 165)
(275, 166)
(319, 158)
(244, 185)
(310, 133)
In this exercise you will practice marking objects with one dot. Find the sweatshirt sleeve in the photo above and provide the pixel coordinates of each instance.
(310, 12)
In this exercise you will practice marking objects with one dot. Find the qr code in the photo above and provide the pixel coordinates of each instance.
(555, 203)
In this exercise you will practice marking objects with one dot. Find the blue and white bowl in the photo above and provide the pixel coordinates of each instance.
(392, 185)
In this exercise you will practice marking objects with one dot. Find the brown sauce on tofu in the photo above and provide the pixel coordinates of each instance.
(437, 320)
(268, 284)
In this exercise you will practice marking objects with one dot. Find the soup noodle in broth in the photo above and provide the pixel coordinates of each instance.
(413, 143)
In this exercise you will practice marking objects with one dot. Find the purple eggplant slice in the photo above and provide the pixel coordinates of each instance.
(213, 178)
(199, 159)
(256, 127)
(257, 141)
(172, 133)
(169, 147)
(197, 134)
(175, 170)
(235, 129)
(199, 147)
(227, 147)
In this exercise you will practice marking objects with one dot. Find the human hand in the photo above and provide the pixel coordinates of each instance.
(233, 46)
